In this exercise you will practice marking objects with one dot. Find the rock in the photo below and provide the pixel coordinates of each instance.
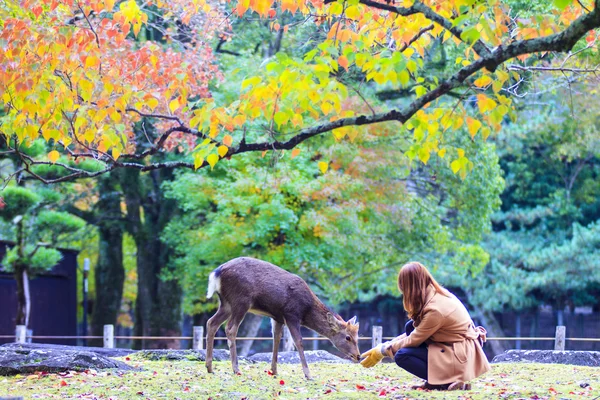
(97, 350)
(27, 361)
(291, 357)
(584, 358)
(192, 355)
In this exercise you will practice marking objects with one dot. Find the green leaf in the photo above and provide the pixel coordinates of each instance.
(562, 4)
(280, 118)
(470, 35)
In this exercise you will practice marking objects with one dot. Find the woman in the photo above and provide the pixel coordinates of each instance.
(441, 343)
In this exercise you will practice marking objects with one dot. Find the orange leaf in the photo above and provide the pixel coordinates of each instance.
(343, 61)
(227, 140)
(295, 152)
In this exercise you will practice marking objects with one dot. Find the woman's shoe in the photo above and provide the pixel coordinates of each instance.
(459, 386)
(428, 386)
(425, 386)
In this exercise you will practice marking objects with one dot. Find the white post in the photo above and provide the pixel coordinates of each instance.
(559, 339)
(21, 334)
(198, 343)
(377, 336)
(109, 336)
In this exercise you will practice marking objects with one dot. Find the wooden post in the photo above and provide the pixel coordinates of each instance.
(518, 330)
(559, 339)
(109, 336)
(21, 334)
(377, 336)
(198, 343)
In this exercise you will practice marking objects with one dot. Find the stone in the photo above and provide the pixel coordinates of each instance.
(583, 358)
(291, 357)
(28, 361)
(97, 350)
(176, 355)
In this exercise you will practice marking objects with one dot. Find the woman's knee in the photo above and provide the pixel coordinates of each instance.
(401, 357)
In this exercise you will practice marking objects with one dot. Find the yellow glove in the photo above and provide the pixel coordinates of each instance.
(372, 357)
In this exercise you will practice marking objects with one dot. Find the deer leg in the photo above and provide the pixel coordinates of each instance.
(212, 326)
(231, 330)
(294, 328)
(277, 331)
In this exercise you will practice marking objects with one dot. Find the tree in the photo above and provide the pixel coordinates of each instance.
(36, 226)
(84, 101)
(346, 228)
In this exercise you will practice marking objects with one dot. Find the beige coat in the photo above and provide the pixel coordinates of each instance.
(454, 351)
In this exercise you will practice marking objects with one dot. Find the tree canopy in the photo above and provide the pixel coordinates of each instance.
(74, 74)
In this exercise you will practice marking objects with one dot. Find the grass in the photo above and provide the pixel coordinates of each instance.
(189, 380)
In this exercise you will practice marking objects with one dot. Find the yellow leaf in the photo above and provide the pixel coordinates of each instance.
(473, 126)
(92, 61)
(483, 81)
(455, 165)
(353, 12)
(222, 150)
(339, 133)
(442, 153)
(86, 89)
(485, 103)
(323, 166)
(151, 102)
(174, 105)
(214, 129)
(116, 153)
(227, 140)
(424, 155)
(53, 156)
(295, 152)
(212, 160)
(198, 161)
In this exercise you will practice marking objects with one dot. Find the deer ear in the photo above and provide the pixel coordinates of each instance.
(352, 321)
(333, 322)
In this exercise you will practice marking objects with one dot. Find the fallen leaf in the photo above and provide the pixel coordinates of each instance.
(282, 382)
(360, 387)
(63, 383)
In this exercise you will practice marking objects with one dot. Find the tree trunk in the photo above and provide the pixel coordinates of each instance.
(158, 303)
(249, 328)
(22, 278)
(494, 329)
(23, 295)
(109, 270)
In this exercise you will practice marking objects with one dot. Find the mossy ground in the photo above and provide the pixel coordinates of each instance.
(189, 380)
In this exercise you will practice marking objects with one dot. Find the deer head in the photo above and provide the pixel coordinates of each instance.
(344, 336)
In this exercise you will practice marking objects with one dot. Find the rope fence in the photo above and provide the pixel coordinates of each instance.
(198, 337)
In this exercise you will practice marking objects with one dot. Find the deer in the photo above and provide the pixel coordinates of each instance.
(248, 284)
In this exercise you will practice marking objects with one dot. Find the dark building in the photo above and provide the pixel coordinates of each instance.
(53, 300)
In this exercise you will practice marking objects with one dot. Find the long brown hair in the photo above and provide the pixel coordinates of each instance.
(413, 280)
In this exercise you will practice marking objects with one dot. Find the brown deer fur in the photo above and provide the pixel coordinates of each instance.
(249, 285)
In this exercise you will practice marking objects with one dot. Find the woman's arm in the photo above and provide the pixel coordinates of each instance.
(432, 321)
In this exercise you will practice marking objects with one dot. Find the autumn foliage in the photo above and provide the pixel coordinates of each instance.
(80, 74)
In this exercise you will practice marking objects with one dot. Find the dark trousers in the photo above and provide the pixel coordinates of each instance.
(413, 359)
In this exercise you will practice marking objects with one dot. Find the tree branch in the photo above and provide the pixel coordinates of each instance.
(420, 8)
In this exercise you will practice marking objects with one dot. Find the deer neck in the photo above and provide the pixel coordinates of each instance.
(317, 320)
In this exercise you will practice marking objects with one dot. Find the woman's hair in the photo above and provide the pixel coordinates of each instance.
(413, 280)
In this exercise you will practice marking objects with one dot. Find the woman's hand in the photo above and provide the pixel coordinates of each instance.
(372, 357)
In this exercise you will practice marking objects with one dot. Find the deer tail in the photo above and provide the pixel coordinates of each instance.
(214, 284)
